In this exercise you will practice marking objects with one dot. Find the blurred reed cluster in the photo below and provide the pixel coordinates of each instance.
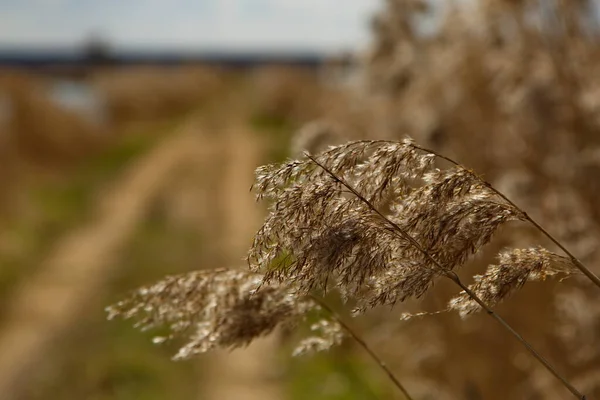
(510, 89)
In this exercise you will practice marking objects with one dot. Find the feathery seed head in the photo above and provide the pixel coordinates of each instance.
(515, 267)
(341, 219)
(219, 309)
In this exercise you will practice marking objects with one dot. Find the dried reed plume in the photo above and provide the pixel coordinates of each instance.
(375, 220)
(222, 309)
(515, 267)
(379, 222)
(341, 219)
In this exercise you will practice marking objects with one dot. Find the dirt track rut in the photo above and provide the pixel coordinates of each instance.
(251, 373)
(46, 307)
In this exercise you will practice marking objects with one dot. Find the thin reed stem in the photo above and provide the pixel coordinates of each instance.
(365, 346)
(454, 277)
(585, 270)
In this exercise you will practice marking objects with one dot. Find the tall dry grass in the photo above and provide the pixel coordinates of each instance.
(509, 89)
(147, 93)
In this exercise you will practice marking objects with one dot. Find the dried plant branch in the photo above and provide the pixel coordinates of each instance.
(336, 219)
(228, 309)
(336, 239)
(454, 277)
(221, 309)
(585, 270)
(515, 267)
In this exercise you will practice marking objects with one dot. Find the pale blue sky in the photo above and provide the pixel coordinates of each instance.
(319, 25)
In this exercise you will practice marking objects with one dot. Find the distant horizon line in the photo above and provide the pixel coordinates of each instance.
(183, 50)
(85, 56)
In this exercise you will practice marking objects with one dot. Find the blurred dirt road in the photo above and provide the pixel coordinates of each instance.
(49, 304)
(251, 373)
(77, 271)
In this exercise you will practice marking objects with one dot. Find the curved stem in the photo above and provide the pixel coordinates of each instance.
(453, 277)
(364, 345)
(585, 270)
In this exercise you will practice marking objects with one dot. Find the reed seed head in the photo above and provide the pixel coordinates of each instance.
(221, 309)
